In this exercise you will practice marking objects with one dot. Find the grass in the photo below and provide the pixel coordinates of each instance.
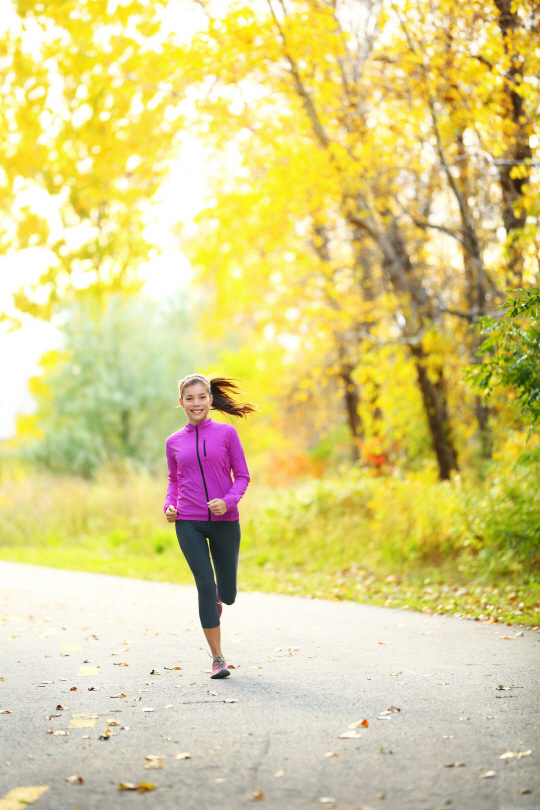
(412, 543)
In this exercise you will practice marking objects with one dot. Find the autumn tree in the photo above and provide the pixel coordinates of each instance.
(365, 131)
(88, 119)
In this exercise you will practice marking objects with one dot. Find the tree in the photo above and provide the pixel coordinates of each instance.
(88, 118)
(365, 131)
(511, 354)
(109, 395)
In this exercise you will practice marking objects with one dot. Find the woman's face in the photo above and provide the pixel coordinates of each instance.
(196, 402)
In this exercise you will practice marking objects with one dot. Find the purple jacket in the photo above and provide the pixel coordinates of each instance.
(200, 459)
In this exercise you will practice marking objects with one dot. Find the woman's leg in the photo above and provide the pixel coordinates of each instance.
(224, 539)
(192, 539)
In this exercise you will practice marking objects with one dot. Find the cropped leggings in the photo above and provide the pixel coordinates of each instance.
(224, 539)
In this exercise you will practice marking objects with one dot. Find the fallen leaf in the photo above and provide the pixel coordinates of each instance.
(155, 672)
(257, 795)
(112, 723)
(487, 775)
(58, 733)
(208, 692)
(350, 735)
(169, 706)
(522, 791)
(74, 780)
(230, 700)
(60, 706)
(148, 710)
(393, 709)
(171, 668)
(455, 765)
(94, 689)
(5, 711)
(279, 773)
(327, 800)
(183, 755)
(120, 665)
(364, 723)
(121, 695)
(73, 689)
(515, 754)
(153, 765)
(331, 754)
(142, 787)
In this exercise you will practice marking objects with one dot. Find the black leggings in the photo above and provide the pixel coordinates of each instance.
(224, 538)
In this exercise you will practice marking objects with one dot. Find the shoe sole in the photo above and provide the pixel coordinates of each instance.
(223, 673)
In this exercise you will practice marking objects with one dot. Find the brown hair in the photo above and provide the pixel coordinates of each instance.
(223, 391)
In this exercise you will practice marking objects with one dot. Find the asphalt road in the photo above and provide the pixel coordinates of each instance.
(305, 670)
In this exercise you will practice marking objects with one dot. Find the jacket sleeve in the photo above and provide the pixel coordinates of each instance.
(171, 498)
(239, 469)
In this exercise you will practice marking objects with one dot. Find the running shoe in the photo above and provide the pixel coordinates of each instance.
(219, 607)
(219, 668)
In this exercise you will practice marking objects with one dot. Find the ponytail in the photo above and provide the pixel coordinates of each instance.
(223, 391)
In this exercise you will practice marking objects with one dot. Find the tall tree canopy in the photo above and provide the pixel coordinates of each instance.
(375, 187)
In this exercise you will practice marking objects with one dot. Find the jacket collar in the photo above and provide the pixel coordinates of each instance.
(191, 428)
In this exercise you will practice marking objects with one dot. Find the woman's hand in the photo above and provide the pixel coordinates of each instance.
(217, 506)
(171, 514)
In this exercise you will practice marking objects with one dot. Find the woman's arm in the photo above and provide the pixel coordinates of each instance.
(239, 469)
(171, 498)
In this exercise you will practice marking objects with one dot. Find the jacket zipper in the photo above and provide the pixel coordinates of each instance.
(202, 473)
(204, 447)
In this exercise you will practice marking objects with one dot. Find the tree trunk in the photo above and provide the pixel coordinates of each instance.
(519, 151)
(475, 294)
(435, 406)
(352, 403)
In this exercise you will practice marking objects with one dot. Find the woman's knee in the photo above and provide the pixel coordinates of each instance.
(228, 598)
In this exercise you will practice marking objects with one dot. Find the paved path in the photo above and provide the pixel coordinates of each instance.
(305, 670)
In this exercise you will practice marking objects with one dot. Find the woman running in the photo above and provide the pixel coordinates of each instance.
(202, 499)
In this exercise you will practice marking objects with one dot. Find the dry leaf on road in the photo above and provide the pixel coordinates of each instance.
(74, 780)
(454, 765)
(331, 754)
(487, 775)
(257, 795)
(142, 787)
(354, 734)
(515, 754)
(183, 755)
